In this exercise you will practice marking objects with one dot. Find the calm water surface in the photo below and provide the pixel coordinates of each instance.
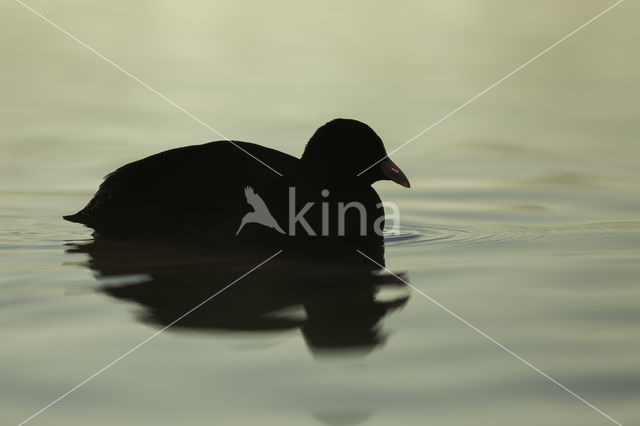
(522, 219)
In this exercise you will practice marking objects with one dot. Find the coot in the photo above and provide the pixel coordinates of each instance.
(219, 190)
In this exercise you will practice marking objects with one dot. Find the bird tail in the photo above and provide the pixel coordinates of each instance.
(79, 217)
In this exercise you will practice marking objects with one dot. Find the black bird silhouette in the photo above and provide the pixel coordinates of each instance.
(196, 192)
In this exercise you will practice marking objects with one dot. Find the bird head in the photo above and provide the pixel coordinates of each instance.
(346, 149)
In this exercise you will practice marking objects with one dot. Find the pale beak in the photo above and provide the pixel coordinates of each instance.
(393, 172)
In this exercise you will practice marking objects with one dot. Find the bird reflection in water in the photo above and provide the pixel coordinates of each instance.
(331, 298)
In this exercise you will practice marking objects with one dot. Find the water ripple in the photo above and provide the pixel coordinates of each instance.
(412, 234)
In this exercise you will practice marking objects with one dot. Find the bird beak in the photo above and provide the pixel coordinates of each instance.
(393, 172)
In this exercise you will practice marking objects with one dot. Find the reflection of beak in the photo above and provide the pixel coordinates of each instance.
(393, 172)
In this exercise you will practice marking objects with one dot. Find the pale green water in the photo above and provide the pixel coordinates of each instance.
(523, 216)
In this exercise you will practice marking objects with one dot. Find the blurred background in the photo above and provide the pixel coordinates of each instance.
(522, 216)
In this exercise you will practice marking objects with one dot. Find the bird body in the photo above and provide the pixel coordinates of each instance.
(218, 190)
